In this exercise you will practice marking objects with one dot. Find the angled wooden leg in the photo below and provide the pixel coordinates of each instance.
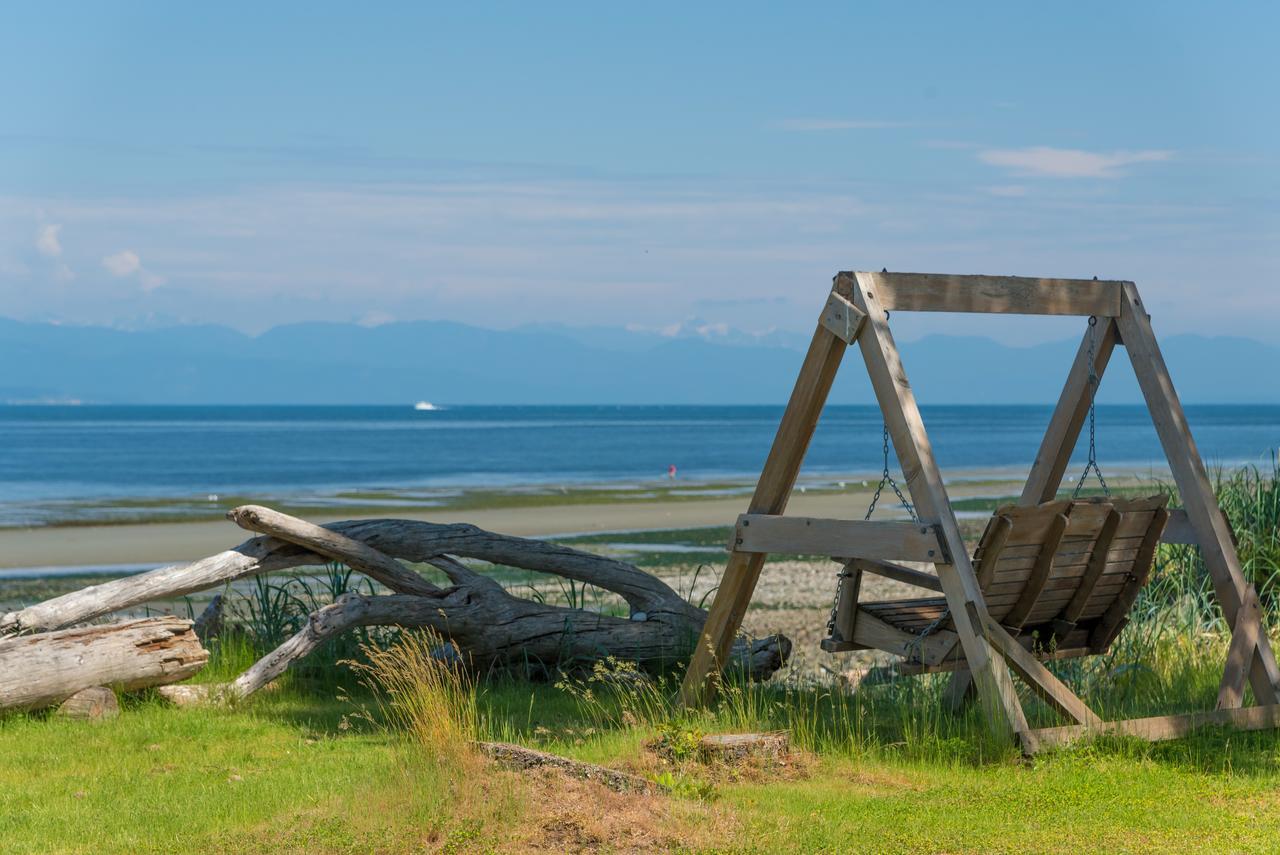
(1212, 532)
(1244, 644)
(772, 491)
(924, 480)
(1040, 679)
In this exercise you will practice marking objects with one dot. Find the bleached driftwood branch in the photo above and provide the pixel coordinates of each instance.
(488, 625)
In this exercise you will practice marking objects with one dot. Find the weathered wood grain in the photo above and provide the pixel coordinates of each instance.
(894, 540)
(1016, 295)
(47, 668)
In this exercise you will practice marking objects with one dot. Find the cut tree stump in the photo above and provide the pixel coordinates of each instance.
(188, 695)
(94, 703)
(737, 747)
(45, 669)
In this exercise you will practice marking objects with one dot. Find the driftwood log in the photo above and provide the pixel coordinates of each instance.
(489, 626)
(47, 668)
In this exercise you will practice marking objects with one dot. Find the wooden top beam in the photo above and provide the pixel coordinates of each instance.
(1013, 295)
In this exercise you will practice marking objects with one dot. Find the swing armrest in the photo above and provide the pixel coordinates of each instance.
(897, 572)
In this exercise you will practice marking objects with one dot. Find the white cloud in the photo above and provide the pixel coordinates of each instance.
(1068, 162)
(47, 243)
(837, 124)
(150, 281)
(127, 263)
(123, 263)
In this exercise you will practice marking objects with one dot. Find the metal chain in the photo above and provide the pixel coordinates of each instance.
(886, 477)
(835, 604)
(1093, 425)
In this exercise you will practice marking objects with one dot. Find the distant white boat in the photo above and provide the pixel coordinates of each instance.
(425, 405)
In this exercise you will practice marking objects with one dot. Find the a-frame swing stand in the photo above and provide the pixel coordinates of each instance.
(857, 312)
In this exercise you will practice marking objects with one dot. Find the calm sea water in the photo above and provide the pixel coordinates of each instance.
(79, 453)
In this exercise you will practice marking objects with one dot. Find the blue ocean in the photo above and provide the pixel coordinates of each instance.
(78, 453)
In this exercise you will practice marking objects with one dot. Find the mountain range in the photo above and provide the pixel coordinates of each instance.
(452, 363)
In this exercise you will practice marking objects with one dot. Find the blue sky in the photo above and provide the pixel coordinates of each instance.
(255, 164)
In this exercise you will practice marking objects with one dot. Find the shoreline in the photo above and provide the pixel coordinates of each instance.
(159, 543)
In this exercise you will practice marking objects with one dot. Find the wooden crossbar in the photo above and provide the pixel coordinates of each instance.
(1155, 728)
(888, 539)
(1014, 295)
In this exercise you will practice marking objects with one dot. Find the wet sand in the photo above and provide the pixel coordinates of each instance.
(162, 543)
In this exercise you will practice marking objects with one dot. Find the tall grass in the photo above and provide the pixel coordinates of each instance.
(423, 690)
(1250, 498)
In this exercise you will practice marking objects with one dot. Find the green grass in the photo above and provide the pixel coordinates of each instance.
(293, 772)
(321, 765)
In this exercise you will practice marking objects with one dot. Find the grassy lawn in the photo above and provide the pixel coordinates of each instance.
(291, 772)
(326, 764)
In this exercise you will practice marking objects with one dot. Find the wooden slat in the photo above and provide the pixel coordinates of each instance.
(906, 575)
(777, 480)
(1113, 620)
(1039, 574)
(1018, 295)
(887, 539)
(1097, 564)
(924, 481)
(1063, 586)
(1072, 567)
(1161, 727)
(1074, 550)
(1212, 532)
(1068, 417)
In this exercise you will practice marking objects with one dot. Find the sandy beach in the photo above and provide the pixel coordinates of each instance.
(161, 543)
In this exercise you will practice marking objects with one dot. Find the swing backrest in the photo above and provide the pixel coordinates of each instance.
(1069, 563)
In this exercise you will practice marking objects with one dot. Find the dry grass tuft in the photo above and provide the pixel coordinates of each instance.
(423, 689)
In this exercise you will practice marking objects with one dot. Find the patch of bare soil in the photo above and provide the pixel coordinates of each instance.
(565, 814)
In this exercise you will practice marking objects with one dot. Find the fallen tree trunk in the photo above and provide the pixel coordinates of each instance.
(42, 670)
(489, 626)
(492, 628)
(408, 540)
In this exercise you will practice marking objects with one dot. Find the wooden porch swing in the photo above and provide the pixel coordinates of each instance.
(1049, 578)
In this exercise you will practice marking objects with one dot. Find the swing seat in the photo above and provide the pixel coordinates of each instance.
(1061, 577)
